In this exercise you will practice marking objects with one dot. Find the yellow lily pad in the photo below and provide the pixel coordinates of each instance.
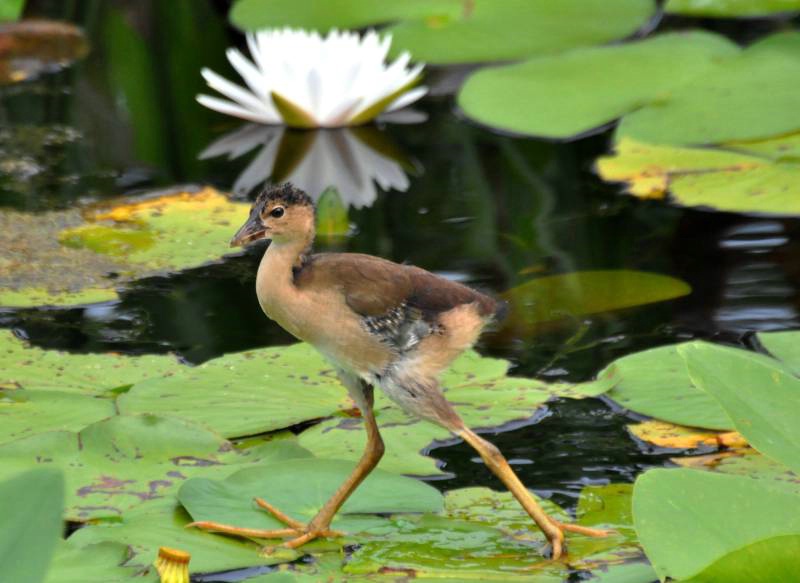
(75, 257)
(664, 434)
(760, 176)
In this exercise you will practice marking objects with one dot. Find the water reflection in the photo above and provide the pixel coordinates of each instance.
(354, 161)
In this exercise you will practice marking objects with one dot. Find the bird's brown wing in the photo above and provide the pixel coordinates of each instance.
(374, 287)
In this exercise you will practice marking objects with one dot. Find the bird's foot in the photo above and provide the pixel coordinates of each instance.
(556, 541)
(297, 533)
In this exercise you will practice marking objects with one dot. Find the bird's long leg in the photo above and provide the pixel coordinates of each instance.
(551, 528)
(318, 526)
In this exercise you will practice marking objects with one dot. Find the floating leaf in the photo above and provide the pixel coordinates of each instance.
(152, 526)
(759, 395)
(31, 368)
(765, 561)
(25, 413)
(123, 462)
(731, 8)
(300, 488)
(245, 393)
(31, 47)
(745, 462)
(581, 293)
(663, 434)
(482, 394)
(655, 382)
(31, 519)
(96, 563)
(711, 514)
(77, 257)
(451, 31)
(547, 96)
(784, 346)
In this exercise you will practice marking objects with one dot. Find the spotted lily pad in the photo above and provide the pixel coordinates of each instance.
(451, 31)
(245, 393)
(763, 181)
(31, 368)
(123, 462)
(98, 563)
(81, 256)
(482, 394)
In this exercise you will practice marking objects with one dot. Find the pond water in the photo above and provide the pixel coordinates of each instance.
(490, 210)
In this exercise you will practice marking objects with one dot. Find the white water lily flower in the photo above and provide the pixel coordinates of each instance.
(314, 161)
(301, 79)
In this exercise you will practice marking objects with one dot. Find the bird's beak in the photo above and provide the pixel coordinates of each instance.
(251, 231)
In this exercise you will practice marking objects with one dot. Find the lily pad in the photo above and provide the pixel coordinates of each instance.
(759, 395)
(655, 382)
(681, 509)
(784, 346)
(31, 47)
(151, 526)
(300, 488)
(115, 465)
(709, 177)
(482, 394)
(24, 413)
(745, 462)
(31, 368)
(765, 561)
(582, 293)
(450, 31)
(663, 434)
(31, 519)
(97, 563)
(731, 8)
(81, 256)
(245, 393)
(546, 96)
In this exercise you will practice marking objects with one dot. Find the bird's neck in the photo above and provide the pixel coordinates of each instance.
(280, 261)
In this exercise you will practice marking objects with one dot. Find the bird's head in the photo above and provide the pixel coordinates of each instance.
(281, 213)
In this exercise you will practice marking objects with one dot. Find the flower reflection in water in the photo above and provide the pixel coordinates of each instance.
(354, 161)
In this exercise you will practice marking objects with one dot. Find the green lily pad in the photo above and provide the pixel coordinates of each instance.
(31, 519)
(731, 8)
(747, 463)
(655, 382)
(765, 561)
(27, 367)
(759, 395)
(300, 488)
(245, 393)
(24, 413)
(763, 182)
(748, 97)
(123, 462)
(80, 256)
(151, 526)
(784, 346)
(581, 293)
(450, 31)
(711, 514)
(547, 96)
(97, 563)
(480, 391)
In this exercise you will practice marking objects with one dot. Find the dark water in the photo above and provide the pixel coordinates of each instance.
(490, 210)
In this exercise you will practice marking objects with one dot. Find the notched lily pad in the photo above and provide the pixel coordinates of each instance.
(123, 462)
(81, 256)
(755, 177)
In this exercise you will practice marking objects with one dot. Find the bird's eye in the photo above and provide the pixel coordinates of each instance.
(277, 212)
